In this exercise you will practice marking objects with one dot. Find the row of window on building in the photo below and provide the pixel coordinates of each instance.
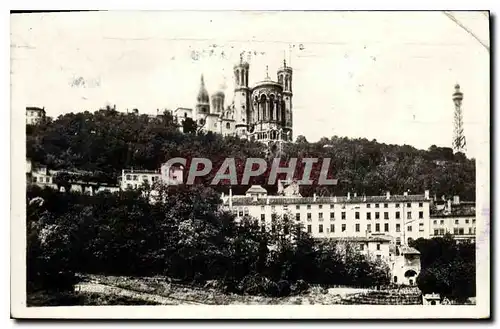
(457, 221)
(456, 231)
(357, 228)
(244, 212)
(144, 178)
(368, 205)
(40, 179)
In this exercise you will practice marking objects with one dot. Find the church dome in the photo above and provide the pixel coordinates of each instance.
(203, 93)
(219, 93)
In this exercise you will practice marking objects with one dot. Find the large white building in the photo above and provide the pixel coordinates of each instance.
(403, 217)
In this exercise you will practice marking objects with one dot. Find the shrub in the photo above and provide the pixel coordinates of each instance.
(284, 288)
(256, 284)
(299, 287)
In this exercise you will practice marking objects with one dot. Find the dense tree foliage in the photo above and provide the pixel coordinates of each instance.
(180, 233)
(107, 141)
(448, 267)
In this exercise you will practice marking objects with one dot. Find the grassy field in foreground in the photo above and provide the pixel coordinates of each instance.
(190, 294)
(44, 298)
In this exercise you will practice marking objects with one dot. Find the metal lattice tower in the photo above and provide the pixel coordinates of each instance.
(458, 128)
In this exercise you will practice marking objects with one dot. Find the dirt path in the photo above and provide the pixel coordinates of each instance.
(116, 291)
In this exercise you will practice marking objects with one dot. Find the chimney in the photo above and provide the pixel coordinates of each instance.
(230, 198)
(388, 195)
(315, 197)
(405, 193)
(427, 197)
(335, 199)
(456, 199)
(355, 194)
(449, 206)
(364, 198)
(348, 195)
(267, 200)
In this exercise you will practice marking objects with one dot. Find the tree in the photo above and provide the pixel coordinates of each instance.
(448, 268)
(189, 126)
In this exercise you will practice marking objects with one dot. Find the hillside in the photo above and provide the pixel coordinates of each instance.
(107, 141)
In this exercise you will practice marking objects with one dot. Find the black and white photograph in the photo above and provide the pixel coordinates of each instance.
(191, 164)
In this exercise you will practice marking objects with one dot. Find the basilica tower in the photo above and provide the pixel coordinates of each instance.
(202, 101)
(285, 79)
(241, 97)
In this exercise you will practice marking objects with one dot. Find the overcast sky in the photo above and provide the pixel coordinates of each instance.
(380, 75)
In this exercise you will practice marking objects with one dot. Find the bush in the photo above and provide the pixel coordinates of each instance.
(284, 288)
(299, 287)
(258, 285)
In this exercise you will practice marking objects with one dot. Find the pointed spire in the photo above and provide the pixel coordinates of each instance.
(267, 71)
(284, 58)
(202, 94)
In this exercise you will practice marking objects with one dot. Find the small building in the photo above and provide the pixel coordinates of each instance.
(41, 176)
(34, 115)
(454, 217)
(180, 114)
(405, 265)
(28, 166)
(372, 246)
(133, 179)
(256, 191)
(172, 175)
(431, 299)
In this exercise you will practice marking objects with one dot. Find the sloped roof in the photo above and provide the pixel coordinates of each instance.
(409, 250)
(256, 189)
(284, 200)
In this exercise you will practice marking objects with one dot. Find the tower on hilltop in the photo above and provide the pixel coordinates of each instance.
(241, 96)
(458, 129)
(285, 79)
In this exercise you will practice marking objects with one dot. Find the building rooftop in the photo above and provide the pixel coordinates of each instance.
(256, 189)
(406, 250)
(371, 238)
(33, 108)
(140, 171)
(284, 200)
(267, 83)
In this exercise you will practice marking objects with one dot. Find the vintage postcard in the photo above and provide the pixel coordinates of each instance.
(250, 164)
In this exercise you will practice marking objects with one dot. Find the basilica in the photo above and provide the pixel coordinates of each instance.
(261, 112)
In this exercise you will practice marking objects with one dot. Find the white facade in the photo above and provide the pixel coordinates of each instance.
(41, 176)
(461, 227)
(173, 175)
(34, 115)
(133, 179)
(401, 216)
(405, 266)
(373, 246)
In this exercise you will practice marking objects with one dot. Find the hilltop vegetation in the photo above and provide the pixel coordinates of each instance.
(107, 141)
